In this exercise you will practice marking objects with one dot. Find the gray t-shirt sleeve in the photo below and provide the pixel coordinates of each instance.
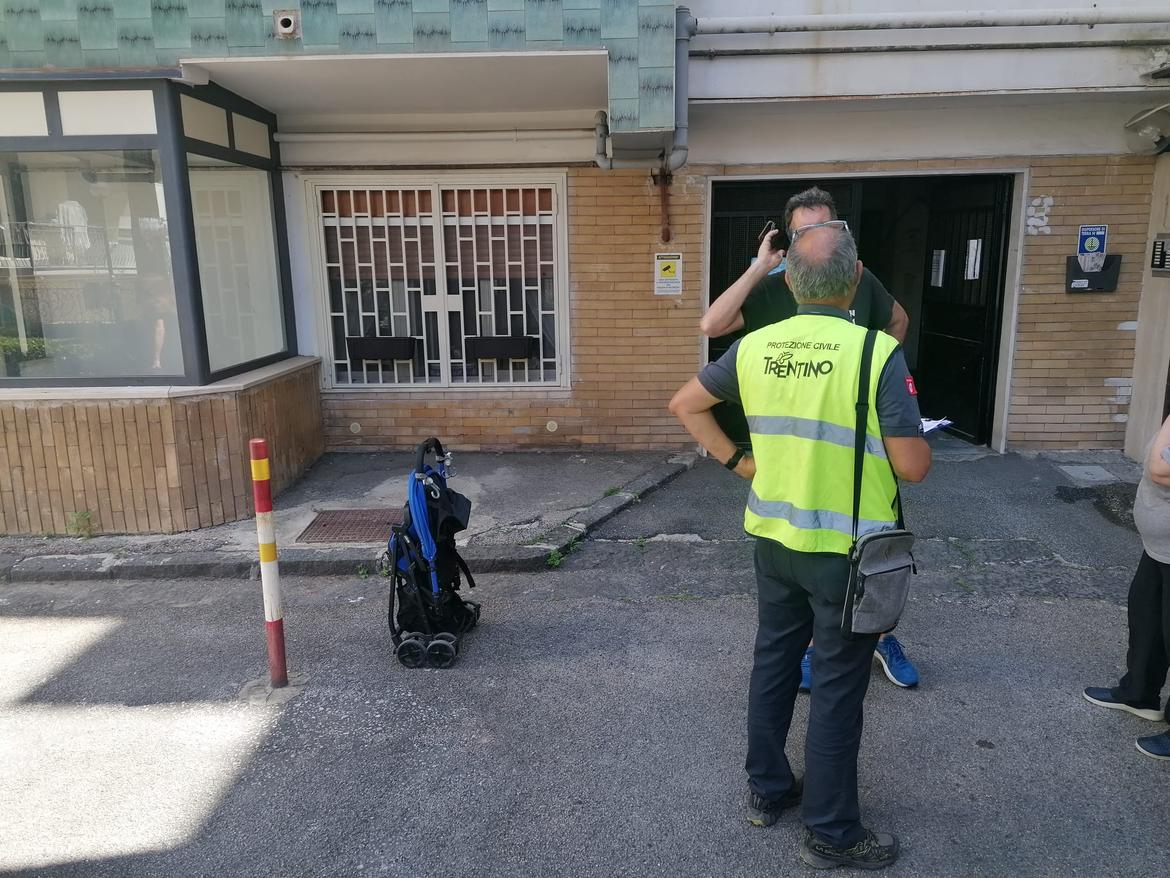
(897, 399)
(720, 378)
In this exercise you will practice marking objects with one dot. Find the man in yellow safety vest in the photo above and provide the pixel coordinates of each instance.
(797, 381)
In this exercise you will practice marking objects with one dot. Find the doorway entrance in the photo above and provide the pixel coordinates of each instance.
(938, 244)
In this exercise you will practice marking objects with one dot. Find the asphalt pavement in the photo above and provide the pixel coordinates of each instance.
(595, 722)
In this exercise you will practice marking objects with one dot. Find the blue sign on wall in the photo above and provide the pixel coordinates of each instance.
(1092, 240)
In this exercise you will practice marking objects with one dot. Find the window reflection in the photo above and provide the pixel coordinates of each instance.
(85, 279)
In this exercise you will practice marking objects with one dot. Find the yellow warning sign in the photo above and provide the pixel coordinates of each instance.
(667, 274)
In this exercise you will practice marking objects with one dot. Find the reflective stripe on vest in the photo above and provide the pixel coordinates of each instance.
(812, 519)
(798, 385)
(807, 428)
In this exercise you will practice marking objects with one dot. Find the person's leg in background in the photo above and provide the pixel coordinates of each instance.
(1157, 633)
(841, 668)
(785, 622)
(1146, 659)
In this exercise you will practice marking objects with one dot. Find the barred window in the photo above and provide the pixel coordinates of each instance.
(442, 285)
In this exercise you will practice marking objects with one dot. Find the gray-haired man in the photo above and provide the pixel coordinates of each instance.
(797, 381)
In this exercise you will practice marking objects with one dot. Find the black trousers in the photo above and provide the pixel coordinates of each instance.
(802, 594)
(1149, 635)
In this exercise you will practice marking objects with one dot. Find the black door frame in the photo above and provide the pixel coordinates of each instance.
(1011, 268)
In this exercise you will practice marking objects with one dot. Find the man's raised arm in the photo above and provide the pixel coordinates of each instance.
(726, 313)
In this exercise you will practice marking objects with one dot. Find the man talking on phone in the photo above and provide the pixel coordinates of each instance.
(760, 298)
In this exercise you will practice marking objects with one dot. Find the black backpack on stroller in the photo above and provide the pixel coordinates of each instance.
(426, 569)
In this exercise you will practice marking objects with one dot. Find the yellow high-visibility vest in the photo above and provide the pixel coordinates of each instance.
(798, 385)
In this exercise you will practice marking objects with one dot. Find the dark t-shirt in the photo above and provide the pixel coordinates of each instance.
(770, 301)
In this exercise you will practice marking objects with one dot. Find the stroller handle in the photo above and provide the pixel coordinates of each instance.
(431, 444)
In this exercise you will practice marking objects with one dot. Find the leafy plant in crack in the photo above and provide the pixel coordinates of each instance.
(80, 524)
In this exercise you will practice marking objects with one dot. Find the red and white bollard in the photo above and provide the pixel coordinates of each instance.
(269, 568)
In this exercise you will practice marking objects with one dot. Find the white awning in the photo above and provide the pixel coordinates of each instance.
(547, 99)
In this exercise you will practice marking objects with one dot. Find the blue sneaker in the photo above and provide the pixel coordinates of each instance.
(1104, 697)
(898, 668)
(806, 671)
(1155, 746)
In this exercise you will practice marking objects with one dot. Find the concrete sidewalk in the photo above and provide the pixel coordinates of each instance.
(524, 507)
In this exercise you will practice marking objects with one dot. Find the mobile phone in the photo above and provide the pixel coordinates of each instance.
(769, 226)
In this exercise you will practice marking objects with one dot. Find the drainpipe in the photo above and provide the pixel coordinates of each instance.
(685, 27)
(772, 24)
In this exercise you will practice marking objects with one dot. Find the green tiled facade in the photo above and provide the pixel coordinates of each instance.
(156, 34)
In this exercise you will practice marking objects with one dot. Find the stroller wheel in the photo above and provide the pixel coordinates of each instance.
(441, 653)
(411, 653)
(449, 638)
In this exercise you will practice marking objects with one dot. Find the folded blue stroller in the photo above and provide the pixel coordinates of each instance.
(431, 617)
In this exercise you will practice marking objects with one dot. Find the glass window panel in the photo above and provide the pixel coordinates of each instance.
(546, 243)
(470, 319)
(85, 267)
(532, 313)
(501, 302)
(454, 324)
(548, 334)
(432, 335)
(415, 313)
(339, 350)
(382, 301)
(236, 248)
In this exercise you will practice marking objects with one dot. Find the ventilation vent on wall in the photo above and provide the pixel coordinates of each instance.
(286, 24)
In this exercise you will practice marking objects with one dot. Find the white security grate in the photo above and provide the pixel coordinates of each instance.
(496, 293)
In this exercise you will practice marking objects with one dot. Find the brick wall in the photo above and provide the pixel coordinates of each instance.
(151, 464)
(630, 349)
(1074, 366)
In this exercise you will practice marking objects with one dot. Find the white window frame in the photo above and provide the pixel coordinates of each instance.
(557, 180)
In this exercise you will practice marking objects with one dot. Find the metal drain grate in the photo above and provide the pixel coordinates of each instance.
(351, 526)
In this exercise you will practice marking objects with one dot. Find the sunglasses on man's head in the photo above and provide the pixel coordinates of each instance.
(839, 224)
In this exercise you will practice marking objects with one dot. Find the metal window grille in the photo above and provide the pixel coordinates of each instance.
(478, 261)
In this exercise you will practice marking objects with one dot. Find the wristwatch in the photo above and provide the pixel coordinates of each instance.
(733, 461)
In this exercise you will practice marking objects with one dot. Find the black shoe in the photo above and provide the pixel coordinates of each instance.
(876, 850)
(765, 812)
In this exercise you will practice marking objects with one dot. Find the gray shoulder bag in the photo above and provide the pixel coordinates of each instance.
(880, 563)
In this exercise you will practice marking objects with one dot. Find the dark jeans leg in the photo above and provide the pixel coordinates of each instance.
(785, 626)
(841, 669)
(1149, 634)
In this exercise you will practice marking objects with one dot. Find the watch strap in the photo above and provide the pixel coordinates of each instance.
(733, 461)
